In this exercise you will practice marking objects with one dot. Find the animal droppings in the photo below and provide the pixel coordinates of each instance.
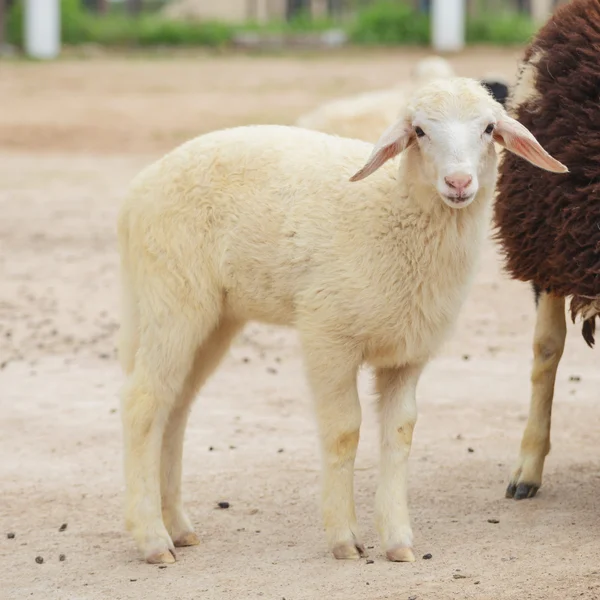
(574, 378)
(10, 536)
(39, 560)
(459, 576)
(62, 558)
(427, 556)
(63, 527)
(223, 505)
(494, 521)
(470, 450)
(370, 562)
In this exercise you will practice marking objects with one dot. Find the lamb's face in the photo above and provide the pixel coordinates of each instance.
(448, 129)
(454, 152)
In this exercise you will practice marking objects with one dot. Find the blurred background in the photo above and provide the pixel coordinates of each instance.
(81, 113)
(225, 22)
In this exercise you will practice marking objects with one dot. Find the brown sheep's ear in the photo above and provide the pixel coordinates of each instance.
(519, 140)
(394, 140)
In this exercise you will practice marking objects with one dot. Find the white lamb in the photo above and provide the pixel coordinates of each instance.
(365, 116)
(267, 223)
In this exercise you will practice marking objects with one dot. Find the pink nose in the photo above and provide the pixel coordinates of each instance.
(458, 181)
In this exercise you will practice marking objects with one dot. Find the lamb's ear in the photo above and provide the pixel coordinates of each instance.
(518, 139)
(395, 139)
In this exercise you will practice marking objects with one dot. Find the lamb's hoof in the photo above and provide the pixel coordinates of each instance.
(349, 551)
(400, 554)
(188, 538)
(521, 491)
(161, 557)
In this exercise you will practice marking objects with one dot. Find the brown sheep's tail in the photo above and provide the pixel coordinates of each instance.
(588, 309)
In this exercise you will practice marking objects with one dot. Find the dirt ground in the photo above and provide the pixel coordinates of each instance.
(72, 135)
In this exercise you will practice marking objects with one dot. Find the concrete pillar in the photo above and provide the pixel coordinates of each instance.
(42, 28)
(262, 11)
(318, 9)
(541, 10)
(448, 25)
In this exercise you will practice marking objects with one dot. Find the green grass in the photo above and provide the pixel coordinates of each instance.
(118, 29)
(388, 22)
(502, 29)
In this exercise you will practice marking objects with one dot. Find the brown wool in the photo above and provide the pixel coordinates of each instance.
(548, 225)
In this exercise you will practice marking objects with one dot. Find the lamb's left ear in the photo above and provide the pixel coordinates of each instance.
(395, 139)
(518, 139)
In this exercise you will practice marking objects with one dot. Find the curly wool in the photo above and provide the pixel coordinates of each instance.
(548, 225)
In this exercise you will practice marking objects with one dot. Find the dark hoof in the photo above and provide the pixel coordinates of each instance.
(521, 491)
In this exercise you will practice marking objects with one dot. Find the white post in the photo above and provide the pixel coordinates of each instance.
(448, 25)
(42, 28)
(541, 10)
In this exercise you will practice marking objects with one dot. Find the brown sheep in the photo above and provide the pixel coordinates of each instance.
(549, 226)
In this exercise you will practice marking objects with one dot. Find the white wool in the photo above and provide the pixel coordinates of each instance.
(273, 224)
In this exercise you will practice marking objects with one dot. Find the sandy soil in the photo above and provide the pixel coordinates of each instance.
(72, 134)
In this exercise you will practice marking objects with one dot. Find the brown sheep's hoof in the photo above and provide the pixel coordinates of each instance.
(521, 491)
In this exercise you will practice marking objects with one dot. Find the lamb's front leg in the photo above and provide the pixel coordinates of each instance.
(332, 375)
(398, 413)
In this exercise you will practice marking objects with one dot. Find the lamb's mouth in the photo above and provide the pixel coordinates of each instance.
(457, 201)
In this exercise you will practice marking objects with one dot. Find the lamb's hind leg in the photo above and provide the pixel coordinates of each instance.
(332, 371)
(163, 363)
(548, 346)
(207, 359)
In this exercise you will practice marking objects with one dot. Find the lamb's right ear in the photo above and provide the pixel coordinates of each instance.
(394, 140)
(516, 138)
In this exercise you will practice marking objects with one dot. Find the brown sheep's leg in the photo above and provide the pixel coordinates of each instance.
(548, 346)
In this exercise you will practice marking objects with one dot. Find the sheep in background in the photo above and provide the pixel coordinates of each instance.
(366, 115)
(549, 226)
(267, 223)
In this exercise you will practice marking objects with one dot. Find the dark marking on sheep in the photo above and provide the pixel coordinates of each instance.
(498, 89)
(546, 223)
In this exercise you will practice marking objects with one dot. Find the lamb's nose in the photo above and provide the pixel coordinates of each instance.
(458, 181)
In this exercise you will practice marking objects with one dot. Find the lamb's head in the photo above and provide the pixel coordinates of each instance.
(448, 129)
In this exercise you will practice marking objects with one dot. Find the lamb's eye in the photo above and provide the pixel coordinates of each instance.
(419, 132)
(490, 129)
